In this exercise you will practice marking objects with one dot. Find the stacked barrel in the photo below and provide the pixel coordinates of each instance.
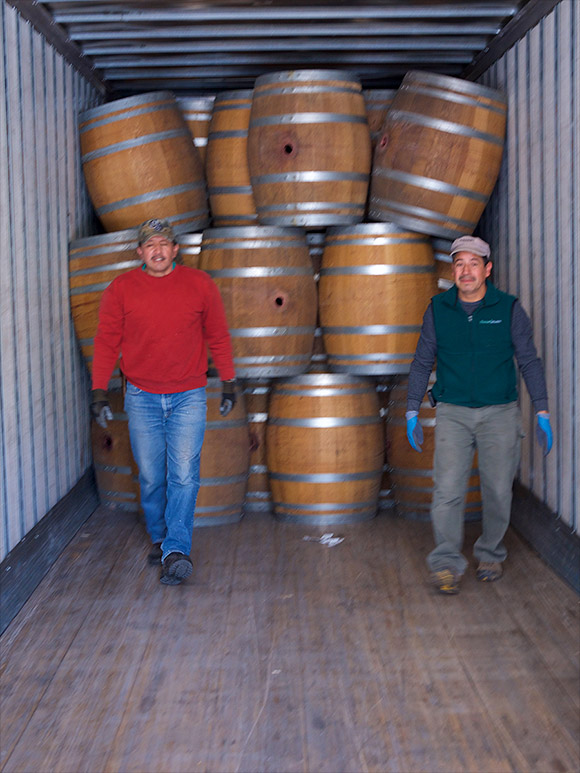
(332, 211)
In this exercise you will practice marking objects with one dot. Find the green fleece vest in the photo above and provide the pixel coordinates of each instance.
(475, 355)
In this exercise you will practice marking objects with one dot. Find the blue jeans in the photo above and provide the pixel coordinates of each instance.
(166, 433)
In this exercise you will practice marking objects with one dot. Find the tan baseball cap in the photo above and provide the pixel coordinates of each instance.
(155, 227)
(472, 244)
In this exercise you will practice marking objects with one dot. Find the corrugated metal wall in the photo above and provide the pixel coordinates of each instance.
(531, 223)
(45, 445)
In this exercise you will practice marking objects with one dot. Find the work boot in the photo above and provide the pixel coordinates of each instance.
(154, 557)
(175, 568)
(488, 571)
(446, 581)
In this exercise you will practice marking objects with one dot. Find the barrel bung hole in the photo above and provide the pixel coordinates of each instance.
(279, 301)
(107, 443)
(288, 149)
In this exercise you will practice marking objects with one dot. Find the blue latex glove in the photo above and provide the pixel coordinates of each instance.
(414, 430)
(544, 432)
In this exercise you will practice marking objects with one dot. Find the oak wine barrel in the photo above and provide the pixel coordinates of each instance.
(230, 191)
(139, 162)
(265, 278)
(375, 283)
(324, 447)
(439, 155)
(309, 148)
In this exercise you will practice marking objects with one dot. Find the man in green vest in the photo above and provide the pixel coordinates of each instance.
(474, 331)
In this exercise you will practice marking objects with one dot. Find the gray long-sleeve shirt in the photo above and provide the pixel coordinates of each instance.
(526, 356)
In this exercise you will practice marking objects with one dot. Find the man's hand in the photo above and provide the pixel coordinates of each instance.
(544, 432)
(414, 430)
(100, 408)
(228, 397)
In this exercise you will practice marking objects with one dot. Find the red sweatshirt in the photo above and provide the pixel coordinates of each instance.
(161, 326)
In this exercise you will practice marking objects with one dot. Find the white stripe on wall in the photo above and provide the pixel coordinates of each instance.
(531, 223)
(45, 446)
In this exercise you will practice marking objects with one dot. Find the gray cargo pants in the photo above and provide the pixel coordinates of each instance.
(495, 430)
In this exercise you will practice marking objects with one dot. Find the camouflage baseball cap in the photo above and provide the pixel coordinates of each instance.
(155, 227)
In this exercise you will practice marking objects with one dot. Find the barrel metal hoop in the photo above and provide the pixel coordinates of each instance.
(272, 359)
(258, 469)
(233, 190)
(260, 244)
(135, 143)
(154, 196)
(421, 212)
(322, 392)
(429, 183)
(323, 477)
(315, 221)
(373, 330)
(308, 206)
(452, 84)
(291, 119)
(254, 272)
(94, 288)
(377, 269)
(257, 418)
(267, 332)
(377, 241)
(326, 422)
(450, 96)
(126, 104)
(310, 176)
(119, 240)
(227, 134)
(124, 116)
(119, 469)
(301, 76)
(364, 369)
(443, 126)
(109, 267)
(308, 90)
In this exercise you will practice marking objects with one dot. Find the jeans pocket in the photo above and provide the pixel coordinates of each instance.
(132, 389)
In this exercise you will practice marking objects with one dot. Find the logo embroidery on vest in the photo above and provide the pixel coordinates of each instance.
(490, 321)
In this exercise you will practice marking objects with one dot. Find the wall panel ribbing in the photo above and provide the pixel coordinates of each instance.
(532, 224)
(44, 446)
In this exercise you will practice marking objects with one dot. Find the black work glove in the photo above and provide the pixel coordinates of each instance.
(228, 397)
(100, 408)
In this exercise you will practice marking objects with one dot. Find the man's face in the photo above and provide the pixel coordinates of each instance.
(469, 274)
(158, 254)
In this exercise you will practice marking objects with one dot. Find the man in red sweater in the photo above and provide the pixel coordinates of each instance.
(159, 317)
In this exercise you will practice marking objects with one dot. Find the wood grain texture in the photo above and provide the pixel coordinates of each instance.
(286, 655)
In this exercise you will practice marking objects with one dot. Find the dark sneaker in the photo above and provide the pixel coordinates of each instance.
(175, 568)
(446, 581)
(154, 557)
(488, 571)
